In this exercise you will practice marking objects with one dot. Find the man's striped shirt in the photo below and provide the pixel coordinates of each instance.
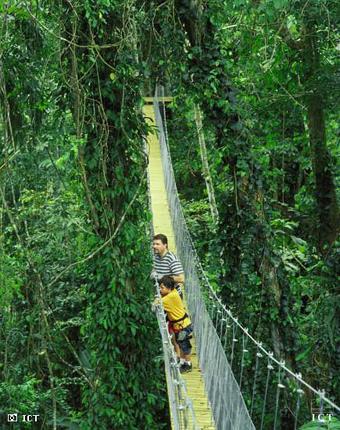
(168, 265)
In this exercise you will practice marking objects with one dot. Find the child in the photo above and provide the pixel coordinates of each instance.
(179, 320)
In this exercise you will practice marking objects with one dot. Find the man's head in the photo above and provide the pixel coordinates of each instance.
(166, 285)
(160, 244)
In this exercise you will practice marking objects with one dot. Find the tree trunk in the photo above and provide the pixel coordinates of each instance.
(328, 221)
(205, 165)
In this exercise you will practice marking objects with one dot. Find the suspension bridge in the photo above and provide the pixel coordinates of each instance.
(236, 384)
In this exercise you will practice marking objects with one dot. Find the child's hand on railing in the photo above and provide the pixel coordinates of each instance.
(155, 303)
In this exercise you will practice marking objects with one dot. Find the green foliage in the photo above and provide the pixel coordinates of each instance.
(74, 220)
(9, 280)
(23, 398)
(75, 287)
(333, 424)
(29, 397)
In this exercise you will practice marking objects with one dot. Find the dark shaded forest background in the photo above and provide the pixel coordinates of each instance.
(254, 135)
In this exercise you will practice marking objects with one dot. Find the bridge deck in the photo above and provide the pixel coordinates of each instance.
(162, 224)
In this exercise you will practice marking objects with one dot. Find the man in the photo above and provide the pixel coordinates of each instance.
(166, 263)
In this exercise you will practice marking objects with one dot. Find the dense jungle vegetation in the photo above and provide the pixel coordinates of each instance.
(254, 137)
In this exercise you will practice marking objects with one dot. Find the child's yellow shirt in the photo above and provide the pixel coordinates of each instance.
(175, 309)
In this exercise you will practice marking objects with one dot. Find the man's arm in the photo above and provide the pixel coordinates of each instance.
(179, 279)
(154, 275)
(177, 272)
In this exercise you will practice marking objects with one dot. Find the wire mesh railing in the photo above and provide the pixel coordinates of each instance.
(246, 385)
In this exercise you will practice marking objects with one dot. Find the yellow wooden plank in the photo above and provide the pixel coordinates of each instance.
(162, 224)
(161, 99)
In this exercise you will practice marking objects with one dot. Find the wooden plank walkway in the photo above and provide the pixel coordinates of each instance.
(162, 224)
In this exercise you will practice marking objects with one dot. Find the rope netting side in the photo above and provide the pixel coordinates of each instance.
(275, 396)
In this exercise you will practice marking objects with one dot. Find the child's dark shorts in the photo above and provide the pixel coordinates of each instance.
(183, 339)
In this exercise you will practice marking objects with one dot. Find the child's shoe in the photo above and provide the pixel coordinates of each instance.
(185, 367)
